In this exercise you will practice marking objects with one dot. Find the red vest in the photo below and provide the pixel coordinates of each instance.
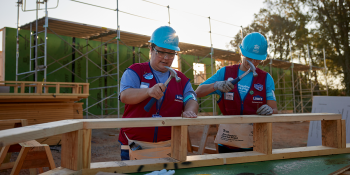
(256, 96)
(172, 106)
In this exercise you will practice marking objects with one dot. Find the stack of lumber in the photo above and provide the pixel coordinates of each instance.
(41, 107)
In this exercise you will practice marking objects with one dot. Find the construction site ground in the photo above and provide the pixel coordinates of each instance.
(105, 146)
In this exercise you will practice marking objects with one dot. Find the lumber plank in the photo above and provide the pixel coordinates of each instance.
(32, 132)
(8, 165)
(189, 143)
(262, 135)
(331, 133)
(72, 150)
(3, 153)
(61, 171)
(210, 160)
(205, 120)
(86, 148)
(179, 142)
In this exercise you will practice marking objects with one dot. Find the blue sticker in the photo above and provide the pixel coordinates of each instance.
(179, 98)
(148, 76)
(156, 116)
(258, 87)
(257, 98)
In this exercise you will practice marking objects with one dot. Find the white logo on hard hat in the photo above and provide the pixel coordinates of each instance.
(256, 48)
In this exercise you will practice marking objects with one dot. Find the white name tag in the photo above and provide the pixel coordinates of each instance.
(228, 96)
(144, 85)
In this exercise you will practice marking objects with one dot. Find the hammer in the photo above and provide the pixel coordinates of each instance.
(251, 69)
(173, 74)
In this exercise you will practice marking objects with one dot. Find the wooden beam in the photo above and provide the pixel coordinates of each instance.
(22, 134)
(179, 142)
(23, 87)
(61, 171)
(205, 120)
(72, 150)
(33, 132)
(210, 160)
(262, 134)
(86, 148)
(50, 158)
(331, 133)
(189, 143)
(76, 150)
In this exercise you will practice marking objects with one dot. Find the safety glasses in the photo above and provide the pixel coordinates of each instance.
(165, 55)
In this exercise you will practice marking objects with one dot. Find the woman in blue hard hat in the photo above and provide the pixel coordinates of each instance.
(143, 81)
(250, 96)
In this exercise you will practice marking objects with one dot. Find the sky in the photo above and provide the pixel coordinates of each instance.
(188, 17)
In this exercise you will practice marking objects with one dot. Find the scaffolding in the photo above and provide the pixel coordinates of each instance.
(131, 41)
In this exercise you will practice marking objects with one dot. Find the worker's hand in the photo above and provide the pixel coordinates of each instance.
(265, 110)
(223, 86)
(189, 114)
(156, 91)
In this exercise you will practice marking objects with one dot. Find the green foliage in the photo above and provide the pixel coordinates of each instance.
(317, 24)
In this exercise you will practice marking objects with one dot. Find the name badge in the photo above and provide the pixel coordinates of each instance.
(179, 98)
(258, 87)
(257, 98)
(228, 96)
(156, 116)
(144, 85)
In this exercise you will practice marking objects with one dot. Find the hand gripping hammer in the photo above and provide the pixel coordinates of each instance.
(173, 74)
(251, 69)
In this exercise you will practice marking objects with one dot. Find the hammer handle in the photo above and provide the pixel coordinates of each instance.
(235, 81)
(150, 104)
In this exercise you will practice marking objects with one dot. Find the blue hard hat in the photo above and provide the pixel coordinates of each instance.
(165, 37)
(254, 46)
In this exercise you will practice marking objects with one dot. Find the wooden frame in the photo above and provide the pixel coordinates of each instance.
(76, 147)
(77, 88)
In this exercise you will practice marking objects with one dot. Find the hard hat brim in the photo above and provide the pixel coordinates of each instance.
(252, 55)
(165, 46)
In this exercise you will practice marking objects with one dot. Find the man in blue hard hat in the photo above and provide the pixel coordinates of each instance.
(143, 81)
(250, 96)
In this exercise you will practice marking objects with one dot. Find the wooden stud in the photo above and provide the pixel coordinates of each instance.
(32, 171)
(76, 150)
(86, 148)
(15, 89)
(57, 88)
(331, 133)
(71, 150)
(179, 142)
(39, 88)
(86, 89)
(23, 87)
(262, 135)
(19, 162)
(189, 144)
(203, 139)
(343, 133)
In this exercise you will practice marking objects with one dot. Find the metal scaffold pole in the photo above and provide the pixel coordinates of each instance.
(17, 39)
(292, 68)
(212, 66)
(87, 75)
(45, 39)
(169, 13)
(118, 38)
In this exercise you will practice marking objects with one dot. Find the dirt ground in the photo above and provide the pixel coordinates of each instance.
(105, 146)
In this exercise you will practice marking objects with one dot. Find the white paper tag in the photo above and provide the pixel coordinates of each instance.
(229, 96)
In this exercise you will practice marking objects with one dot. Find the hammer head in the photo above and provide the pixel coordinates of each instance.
(173, 74)
(252, 68)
